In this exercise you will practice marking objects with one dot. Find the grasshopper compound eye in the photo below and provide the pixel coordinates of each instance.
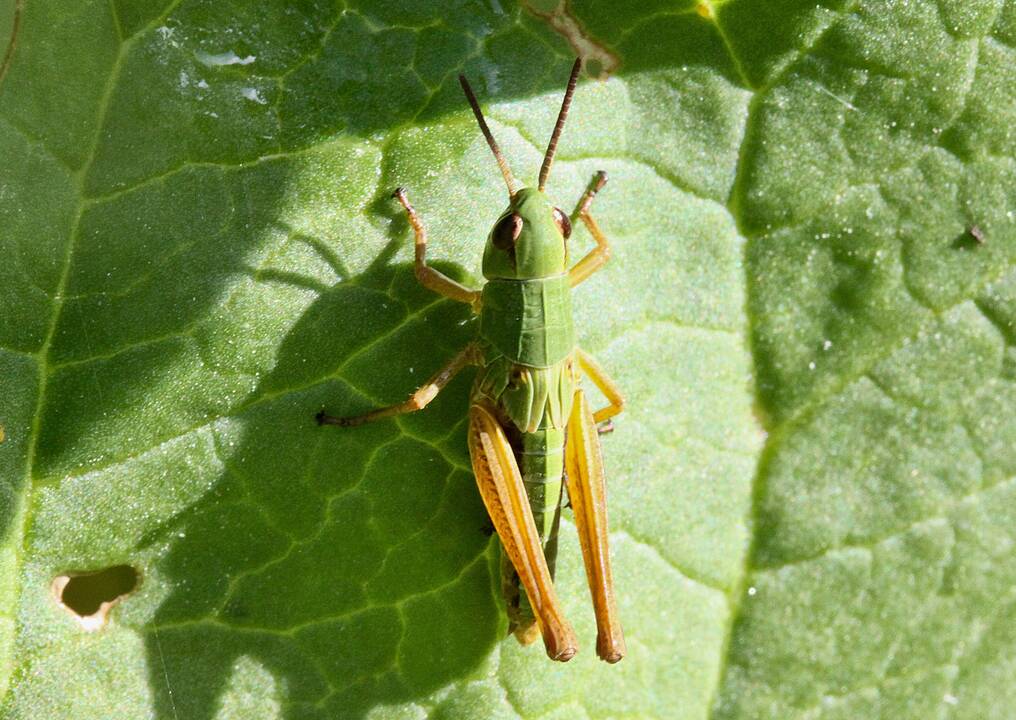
(563, 223)
(507, 231)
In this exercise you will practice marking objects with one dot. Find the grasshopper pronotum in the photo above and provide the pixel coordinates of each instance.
(530, 424)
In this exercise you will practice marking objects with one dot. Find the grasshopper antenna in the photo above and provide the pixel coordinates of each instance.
(548, 159)
(509, 179)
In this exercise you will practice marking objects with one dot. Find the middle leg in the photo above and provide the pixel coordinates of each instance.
(604, 382)
(469, 355)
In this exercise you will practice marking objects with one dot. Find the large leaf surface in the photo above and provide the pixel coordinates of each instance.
(812, 492)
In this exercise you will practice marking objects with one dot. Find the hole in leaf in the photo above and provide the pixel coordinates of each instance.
(90, 596)
(970, 239)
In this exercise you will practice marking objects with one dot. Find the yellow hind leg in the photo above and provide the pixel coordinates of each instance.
(588, 493)
(504, 495)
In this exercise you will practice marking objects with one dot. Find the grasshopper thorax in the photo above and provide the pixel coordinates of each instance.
(529, 240)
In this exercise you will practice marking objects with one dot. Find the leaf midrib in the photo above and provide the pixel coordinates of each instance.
(20, 537)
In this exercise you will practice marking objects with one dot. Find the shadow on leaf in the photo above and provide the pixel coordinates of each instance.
(352, 564)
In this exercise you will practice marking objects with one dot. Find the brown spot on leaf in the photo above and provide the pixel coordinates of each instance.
(598, 61)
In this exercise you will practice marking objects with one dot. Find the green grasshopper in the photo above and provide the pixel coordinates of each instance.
(530, 423)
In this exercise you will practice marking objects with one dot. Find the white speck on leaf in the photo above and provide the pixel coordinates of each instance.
(253, 94)
(226, 58)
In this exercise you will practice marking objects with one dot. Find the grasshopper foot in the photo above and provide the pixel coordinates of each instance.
(605, 428)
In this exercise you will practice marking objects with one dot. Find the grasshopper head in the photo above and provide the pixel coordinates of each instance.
(529, 240)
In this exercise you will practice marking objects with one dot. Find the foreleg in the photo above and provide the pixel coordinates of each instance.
(428, 276)
(598, 256)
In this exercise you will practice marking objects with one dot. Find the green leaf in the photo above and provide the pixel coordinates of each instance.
(812, 488)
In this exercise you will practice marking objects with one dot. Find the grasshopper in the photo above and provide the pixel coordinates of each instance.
(531, 426)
